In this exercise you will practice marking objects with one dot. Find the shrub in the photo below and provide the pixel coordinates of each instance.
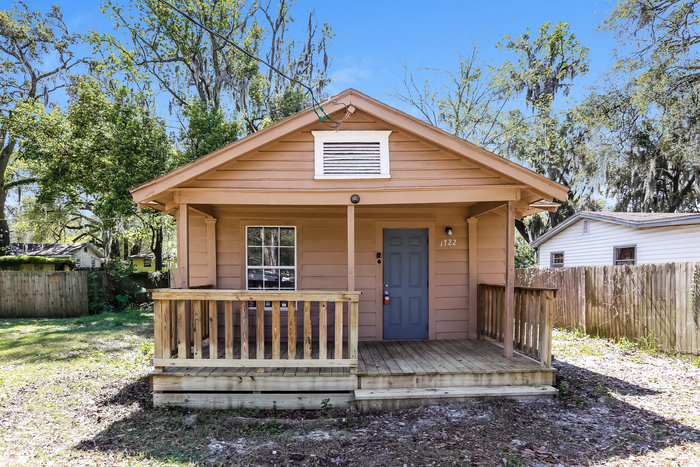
(14, 263)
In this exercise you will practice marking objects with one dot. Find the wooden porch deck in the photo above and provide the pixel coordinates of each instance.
(383, 365)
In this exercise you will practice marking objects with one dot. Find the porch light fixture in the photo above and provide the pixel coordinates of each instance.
(354, 199)
(448, 231)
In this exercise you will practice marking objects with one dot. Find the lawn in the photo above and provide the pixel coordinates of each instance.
(75, 392)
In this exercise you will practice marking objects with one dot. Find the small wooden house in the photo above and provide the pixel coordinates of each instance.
(367, 263)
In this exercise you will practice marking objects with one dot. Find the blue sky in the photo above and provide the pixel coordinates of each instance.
(373, 38)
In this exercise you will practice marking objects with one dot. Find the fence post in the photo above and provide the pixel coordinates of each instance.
(546, 329)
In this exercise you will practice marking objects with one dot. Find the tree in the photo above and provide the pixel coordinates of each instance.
(644, 119)
(170, 54)
(27, 40)
(107, 142)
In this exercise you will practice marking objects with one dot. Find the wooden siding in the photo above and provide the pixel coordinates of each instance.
(289, 164)
(654, 244)
(322, 256)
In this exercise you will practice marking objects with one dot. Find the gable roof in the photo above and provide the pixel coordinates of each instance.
(542, 185)
(50, 249)
(637, 220)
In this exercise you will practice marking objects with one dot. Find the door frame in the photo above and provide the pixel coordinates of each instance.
(379, 285)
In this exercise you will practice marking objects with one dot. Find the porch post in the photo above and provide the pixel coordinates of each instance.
(473, 279)
(211, 250)
(509, 317)
(183, 244)
(351, 247)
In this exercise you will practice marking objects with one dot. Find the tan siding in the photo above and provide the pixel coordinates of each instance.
(289, 164)
(491, 253)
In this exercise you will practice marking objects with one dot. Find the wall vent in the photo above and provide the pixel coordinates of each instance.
(351, 154)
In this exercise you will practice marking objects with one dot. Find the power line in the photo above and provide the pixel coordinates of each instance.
(314, 101)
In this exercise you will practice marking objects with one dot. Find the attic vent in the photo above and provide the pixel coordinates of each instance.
(351, 154)
(351, 158)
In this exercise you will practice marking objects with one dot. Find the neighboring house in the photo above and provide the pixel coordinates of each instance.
(144, 262)
(85, 255)
(365, 244)
(618, 238)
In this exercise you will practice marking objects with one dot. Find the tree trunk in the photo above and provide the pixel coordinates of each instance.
(158, 248)
(5, 247)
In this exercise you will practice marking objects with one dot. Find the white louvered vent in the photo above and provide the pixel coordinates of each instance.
(358, 158)
(351, 154)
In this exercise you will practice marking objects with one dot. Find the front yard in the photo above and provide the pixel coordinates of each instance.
(75, 392)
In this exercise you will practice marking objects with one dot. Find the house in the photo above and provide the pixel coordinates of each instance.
(366, 262)
(619, 238)
(144, 262)
(85, 255)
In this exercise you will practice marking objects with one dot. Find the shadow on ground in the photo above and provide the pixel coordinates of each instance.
(586, 424)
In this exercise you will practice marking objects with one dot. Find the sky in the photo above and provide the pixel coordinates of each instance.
(373, 38)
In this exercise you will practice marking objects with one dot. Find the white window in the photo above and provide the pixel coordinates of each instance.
(586, 226)
(271, 258)
(556, 260)
(147, 262)
(623, 255)
(77, 262)
(93, 262)
(351, 154)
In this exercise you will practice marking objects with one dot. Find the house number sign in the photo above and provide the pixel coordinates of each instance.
(448, 242)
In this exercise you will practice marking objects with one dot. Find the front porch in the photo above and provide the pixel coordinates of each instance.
(249, 362)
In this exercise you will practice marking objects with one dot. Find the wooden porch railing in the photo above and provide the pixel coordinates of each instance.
(185, 318)
(534, 312)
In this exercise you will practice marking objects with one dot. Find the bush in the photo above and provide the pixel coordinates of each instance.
(14, 263)
(112, 289)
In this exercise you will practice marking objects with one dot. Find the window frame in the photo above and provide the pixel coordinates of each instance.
(362, 136)
(77, 262)
(150, 262)
(248, 267)
(619, 247)
(551, 259)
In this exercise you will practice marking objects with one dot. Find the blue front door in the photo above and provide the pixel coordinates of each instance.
(406, 282)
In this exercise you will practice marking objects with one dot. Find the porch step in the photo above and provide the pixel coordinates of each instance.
(393, 399)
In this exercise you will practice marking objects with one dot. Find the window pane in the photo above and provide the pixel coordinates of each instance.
(254, 236)
(272, 236)
(254, 256)
(272, 280)
(255, 279)
(287, 237)
(270, 256)
(286, 256)
(625, 253)
(288, 281)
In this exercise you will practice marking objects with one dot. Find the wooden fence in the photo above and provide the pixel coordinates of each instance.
(42, 294)
(658, 301)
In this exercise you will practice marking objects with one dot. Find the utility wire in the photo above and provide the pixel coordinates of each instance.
(314, 101)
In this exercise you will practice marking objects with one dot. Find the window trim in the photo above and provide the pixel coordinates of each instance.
(618, 247)
(551, 259)
(364, 136)
(150, 262)
(296, 259)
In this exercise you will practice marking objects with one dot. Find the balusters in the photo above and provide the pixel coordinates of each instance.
(338, 343)
(291, 330)
(228, 325)
(244, 330)
(276, 330)
(307, 330)
(323, 330)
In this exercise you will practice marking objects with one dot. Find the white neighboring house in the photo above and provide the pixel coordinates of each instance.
(618, 238)
(85, 255)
